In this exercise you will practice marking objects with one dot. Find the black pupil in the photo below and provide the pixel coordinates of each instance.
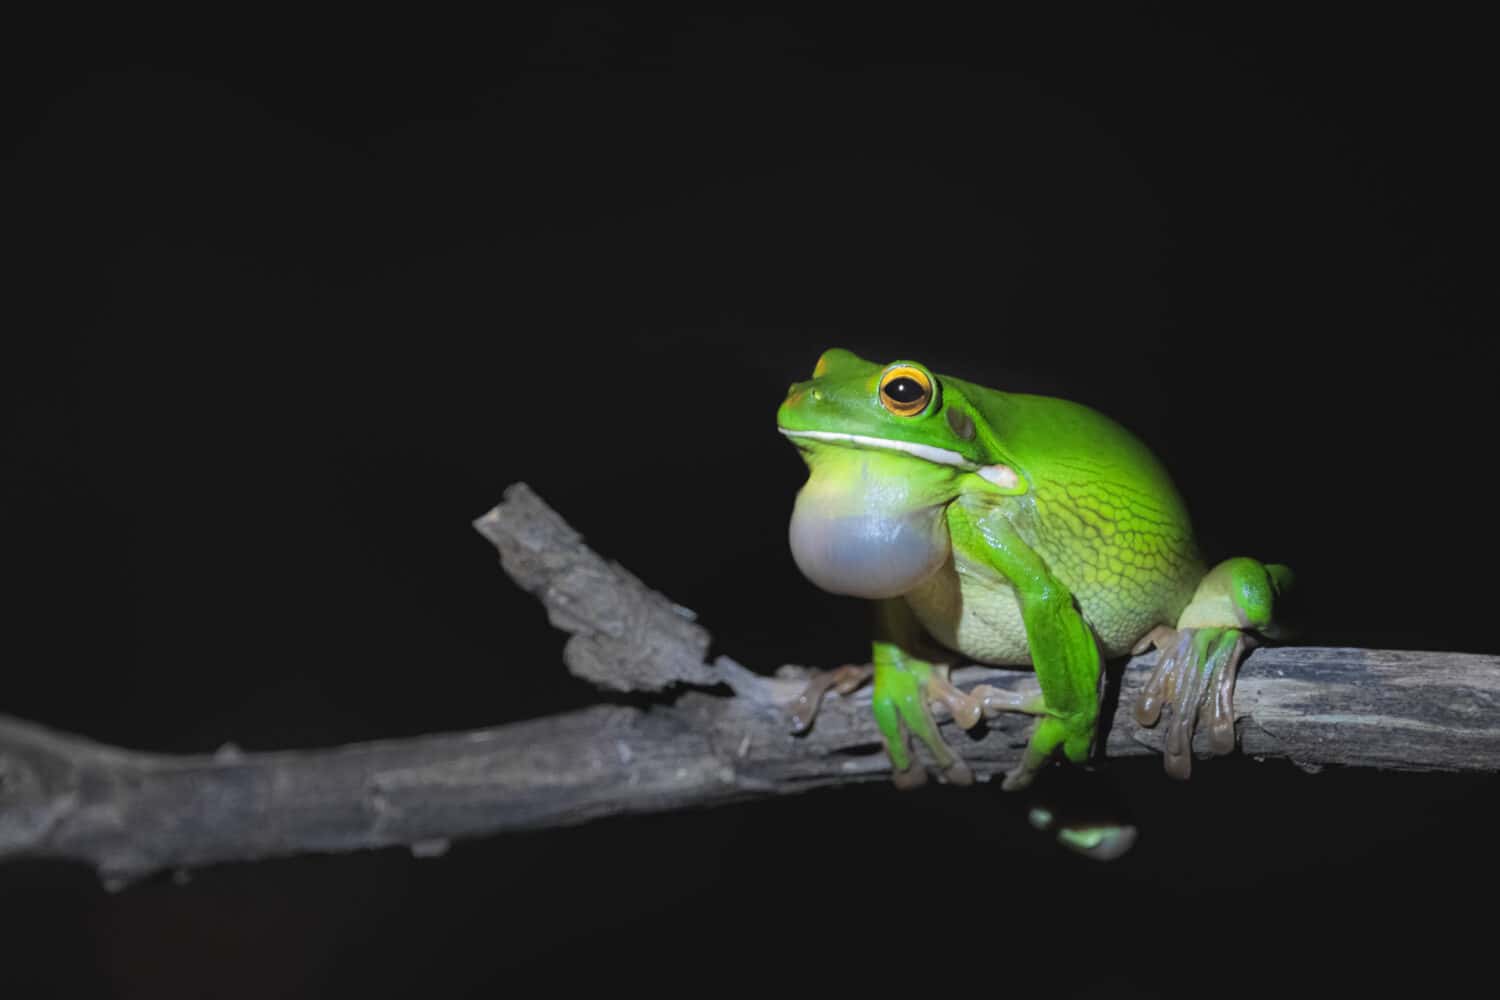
(905, 390)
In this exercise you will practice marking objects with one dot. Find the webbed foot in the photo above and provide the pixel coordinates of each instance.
(1194, 675)
(1198, 661)
(983, 701)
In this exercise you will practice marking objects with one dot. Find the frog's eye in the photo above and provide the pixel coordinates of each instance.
(905, 390)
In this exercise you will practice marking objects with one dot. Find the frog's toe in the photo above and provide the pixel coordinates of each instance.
(915, 776)
(1159, 637)
(958, 773)
(841, 679)
(1166, 678)
(965, 708)
(995, 700)
(983, 702)
(1216, 712)
(1194, 678)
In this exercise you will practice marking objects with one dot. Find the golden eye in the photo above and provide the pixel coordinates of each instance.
(905, 390)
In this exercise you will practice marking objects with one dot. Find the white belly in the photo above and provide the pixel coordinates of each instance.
(973, 612)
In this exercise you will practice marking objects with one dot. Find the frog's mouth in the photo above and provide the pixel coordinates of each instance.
(999, 474)
(927, 452)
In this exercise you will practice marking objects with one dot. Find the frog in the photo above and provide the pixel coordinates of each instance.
(1011, 530)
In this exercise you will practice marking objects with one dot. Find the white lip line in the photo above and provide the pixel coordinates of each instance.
(942, 456)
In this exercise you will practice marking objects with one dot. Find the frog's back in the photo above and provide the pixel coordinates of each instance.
(1102, 512)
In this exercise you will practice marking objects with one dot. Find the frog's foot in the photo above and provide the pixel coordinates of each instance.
(1194, 675)
(841, 679)
(904, 689)
(1198, 661)
(983, 701)
(1073, 734)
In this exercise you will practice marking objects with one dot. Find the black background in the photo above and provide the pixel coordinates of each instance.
(289, 305)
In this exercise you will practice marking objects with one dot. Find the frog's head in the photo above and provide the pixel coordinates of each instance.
(888, 447)
(902, 408)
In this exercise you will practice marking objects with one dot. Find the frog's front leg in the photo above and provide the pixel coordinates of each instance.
(1198, 661)
(1064, 650)
(905, 687)
(907, 684)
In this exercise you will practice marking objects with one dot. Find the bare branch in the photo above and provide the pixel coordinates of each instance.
(130, 814)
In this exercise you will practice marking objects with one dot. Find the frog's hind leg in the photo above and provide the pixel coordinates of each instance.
(1197, 662)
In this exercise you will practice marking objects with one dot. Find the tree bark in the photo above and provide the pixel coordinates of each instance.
(717, 732)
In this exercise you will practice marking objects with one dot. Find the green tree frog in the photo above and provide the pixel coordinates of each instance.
(1014, 530)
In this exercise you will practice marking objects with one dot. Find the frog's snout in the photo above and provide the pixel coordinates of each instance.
(799, 392)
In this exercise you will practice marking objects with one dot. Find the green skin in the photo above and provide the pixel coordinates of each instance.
(1013, 530)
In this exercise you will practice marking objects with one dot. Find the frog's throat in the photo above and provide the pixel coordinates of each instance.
(927, 452)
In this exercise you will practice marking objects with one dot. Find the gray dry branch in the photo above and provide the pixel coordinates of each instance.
(716, 732)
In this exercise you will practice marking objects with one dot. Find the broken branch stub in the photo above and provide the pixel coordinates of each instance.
(623, 636)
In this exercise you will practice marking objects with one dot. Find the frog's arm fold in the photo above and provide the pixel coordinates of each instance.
(1064, 650)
